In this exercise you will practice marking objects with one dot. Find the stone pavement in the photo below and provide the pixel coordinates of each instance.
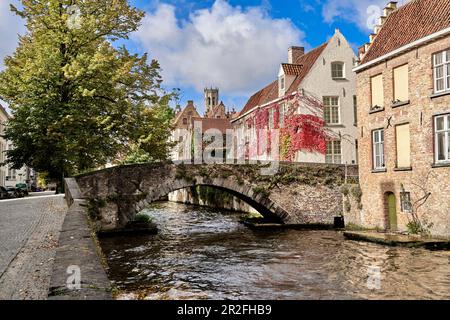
(29, 232)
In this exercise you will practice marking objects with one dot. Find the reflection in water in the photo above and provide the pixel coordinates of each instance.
(204, 254)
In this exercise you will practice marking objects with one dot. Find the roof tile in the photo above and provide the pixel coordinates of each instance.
(411, 22)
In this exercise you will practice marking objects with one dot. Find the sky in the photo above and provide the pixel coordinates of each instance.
(235, 45)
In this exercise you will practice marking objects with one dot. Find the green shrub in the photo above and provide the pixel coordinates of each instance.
(357, 193)
(262, 191)
(345, 190)
(142, 217)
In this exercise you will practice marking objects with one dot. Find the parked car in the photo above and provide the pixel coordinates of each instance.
(15, 193)
(23, 187)
(3, 193)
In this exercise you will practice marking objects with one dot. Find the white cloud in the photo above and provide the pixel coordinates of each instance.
(364, 13)
(237, 49)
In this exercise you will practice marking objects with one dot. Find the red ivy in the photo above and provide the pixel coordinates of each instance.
(305, 131)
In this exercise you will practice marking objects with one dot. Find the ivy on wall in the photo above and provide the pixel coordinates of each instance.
(303, 128)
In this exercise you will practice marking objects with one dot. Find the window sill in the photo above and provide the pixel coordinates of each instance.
(339, 79)
(440, 94)
(376, 110)
(403, 169)
(400, 104)
(379, 170)
(330, 125)
(441, 165)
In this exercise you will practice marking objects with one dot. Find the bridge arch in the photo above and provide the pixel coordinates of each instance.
(245, 192)
(305, 194)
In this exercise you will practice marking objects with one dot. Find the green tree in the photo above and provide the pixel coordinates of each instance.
(77, 100)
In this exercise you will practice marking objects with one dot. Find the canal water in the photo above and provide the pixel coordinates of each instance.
(203, 253)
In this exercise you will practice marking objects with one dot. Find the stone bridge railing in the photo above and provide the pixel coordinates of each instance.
(298, 194)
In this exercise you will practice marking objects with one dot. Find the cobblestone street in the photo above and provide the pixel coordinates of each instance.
(29, 231)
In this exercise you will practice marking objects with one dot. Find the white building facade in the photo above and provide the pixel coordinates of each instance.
(322, 85)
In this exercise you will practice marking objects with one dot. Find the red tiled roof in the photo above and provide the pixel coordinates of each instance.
(263, 96)
(211, 123)
(292, 69)
(270, 92)
(411, 22)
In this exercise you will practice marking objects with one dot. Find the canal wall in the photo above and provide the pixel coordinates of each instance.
(78, 257)
(211, 198)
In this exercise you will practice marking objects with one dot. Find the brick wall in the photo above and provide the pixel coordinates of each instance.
(419, 114)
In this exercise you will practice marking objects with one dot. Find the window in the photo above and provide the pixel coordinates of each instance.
(441, 71)
(185, 121)
(282, 83)
(331, 110)
(378, 150)
(337, 70)
(334, 153)
(442, 142)
(403, 146)
(377, 92)
(355, 110)
(401, 84)
(405, 200)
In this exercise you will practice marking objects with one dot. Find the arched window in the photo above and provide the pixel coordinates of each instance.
(337, 70)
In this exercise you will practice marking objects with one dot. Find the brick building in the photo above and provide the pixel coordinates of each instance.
(403, 89)
(215, 120)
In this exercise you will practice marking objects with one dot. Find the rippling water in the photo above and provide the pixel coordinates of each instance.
(205, 254)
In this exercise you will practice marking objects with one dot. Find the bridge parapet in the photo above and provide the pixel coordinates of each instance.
(296, 194)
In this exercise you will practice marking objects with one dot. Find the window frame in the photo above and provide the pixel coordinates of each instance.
(331, 106)
(445, 64)
(446, 132)
(394, 86)
(333, 154)
(397, 145)
(342, 65)
(282, 82)
(382, 149)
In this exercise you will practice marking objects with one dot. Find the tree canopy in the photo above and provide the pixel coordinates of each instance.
(78, 99)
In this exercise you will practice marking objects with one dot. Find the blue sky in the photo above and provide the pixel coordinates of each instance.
(236, 45)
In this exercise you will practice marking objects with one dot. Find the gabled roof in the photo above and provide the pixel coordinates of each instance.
(190, 106)
(409, 23)
(270, 92)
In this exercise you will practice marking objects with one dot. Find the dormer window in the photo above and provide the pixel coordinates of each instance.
(337, 70)
(282, 83)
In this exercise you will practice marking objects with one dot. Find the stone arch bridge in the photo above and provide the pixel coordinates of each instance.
(298, 194)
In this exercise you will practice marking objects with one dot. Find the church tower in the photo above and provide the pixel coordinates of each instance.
(211, 99)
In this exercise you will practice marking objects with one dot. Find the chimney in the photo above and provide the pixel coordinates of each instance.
(190, 102)
(390, 7)
(294, 53)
